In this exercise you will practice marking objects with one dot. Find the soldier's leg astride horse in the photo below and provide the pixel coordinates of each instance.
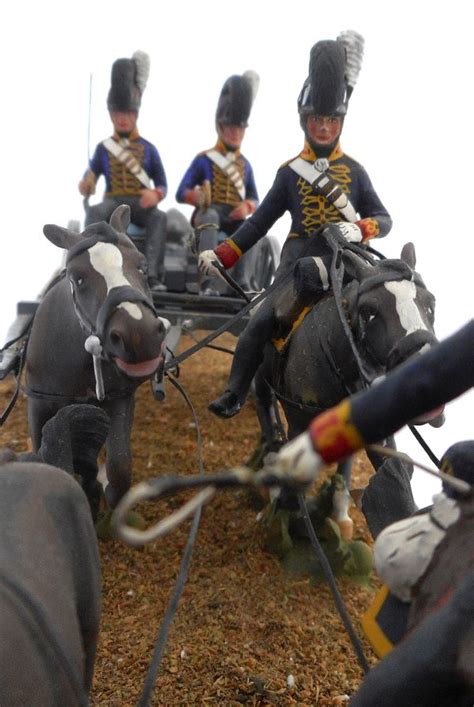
(275, 312)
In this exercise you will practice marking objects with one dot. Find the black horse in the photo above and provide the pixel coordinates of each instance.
(95, 338)
(49, 564)
(433, 662)
(384, 314)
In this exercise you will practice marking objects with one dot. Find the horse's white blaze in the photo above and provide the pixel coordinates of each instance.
(408, 313)
(106, 259)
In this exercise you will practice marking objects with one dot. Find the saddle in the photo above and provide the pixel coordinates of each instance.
(297, 298)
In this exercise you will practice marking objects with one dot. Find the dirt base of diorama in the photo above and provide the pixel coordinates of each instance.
(245, 633)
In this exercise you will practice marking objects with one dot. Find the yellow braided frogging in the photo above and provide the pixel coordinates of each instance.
(121, 179)
(223, 189)
(315, 207)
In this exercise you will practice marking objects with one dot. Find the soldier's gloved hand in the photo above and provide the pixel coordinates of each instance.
(350, 231)
(297, 459)
(205, 263)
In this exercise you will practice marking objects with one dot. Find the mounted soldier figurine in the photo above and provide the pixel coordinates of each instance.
(131, 165)
(320, 186)
(220, 183)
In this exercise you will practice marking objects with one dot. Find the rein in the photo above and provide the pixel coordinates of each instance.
(276, 285)
(23, 334)
(173, 362)
(337, 274)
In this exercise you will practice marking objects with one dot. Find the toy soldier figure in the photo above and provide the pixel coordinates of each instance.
(219, 182)
(320, 186)
(131, 165)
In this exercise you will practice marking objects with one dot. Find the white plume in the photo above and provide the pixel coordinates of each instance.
(254, 80)
(142, 62)
(353, 43)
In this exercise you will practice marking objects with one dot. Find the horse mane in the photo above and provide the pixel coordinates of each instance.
(102, 229)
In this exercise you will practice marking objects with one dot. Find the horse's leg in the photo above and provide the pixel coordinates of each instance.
(388, 496)
(268, 414)
(118, 462)
(39, 412)
(272, 432)
(342, 500)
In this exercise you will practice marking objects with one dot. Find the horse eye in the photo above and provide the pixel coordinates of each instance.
(367, 314)
(143, 268)
(79, 281)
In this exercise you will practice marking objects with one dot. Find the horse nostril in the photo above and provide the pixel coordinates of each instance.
(115, 338)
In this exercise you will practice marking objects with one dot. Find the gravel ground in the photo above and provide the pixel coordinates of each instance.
(245, 633)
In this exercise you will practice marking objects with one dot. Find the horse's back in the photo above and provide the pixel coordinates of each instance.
(49, 587)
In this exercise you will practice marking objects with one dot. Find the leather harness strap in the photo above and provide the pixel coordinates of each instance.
(120, 152)
(228, 166)
(326, 186)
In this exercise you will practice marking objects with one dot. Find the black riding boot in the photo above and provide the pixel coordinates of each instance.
(248, 356)
(155, 249)
(308, 284)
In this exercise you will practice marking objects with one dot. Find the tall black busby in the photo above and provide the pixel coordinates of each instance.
(128, 81)
(334, 67)
(236, 99)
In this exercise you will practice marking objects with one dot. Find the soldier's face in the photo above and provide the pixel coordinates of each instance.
(123, 122)
(231, 135)
(324, 129)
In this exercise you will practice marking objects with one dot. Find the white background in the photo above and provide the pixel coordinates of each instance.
(409, 123)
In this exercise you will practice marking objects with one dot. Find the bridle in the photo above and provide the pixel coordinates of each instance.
(94, 344)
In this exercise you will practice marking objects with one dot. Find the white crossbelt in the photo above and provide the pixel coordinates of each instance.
(228, 166)
(124, 156)
(327, 186)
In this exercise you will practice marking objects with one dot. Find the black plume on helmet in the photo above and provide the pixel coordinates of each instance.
(236, 99)
(334, 67)
(128, 80)
(326, 76)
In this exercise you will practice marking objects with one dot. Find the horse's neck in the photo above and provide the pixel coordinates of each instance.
(333, 341)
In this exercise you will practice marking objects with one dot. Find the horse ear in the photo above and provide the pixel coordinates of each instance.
(61, 237)
(120, 219)
(356, 267)
(408, 255)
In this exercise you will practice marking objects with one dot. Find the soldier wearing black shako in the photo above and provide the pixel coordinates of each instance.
(220, 183)
(321, 185)
(132, 167)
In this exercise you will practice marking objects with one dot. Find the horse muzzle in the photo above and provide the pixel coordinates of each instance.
(412, 345)
(144, 369)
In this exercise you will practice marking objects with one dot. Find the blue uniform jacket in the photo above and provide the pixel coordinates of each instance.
(309, 210)
(119, 180)
(222, 189)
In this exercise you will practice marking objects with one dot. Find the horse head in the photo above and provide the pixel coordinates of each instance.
(391, 311)
(108, 280)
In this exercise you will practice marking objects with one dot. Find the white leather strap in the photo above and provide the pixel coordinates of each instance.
(128, 159)
(228, 166)
(320, 180)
